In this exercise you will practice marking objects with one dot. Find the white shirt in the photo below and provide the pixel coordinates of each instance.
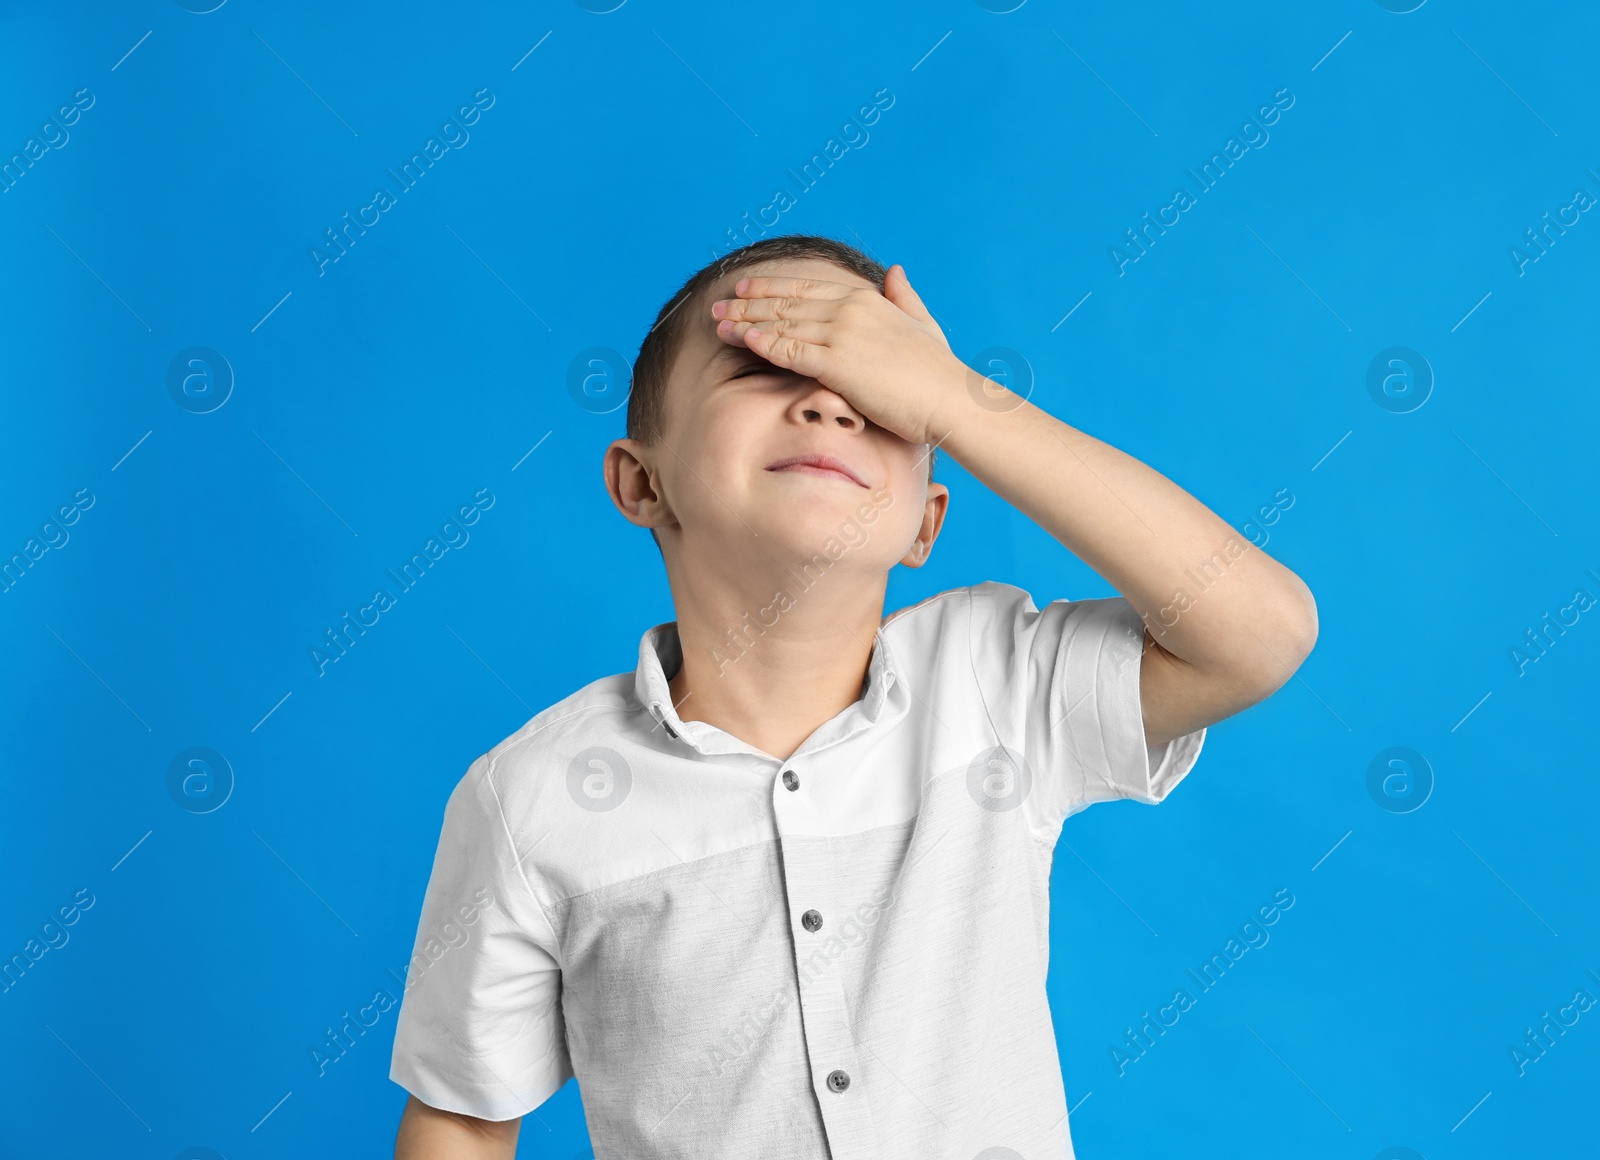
(839, 954)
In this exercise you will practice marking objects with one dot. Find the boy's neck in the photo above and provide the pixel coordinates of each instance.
(797, 670)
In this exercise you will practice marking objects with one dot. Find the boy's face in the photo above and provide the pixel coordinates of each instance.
(716, 481)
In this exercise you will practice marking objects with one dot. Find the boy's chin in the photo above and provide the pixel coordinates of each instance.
(830, 530)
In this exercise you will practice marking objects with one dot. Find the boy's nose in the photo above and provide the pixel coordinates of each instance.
(825, 405)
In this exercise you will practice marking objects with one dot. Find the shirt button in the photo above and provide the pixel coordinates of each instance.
(790, 780)
(838, 1080)
(812, 921)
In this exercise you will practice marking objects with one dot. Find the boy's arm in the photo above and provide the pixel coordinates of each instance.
(426, 1133)
(1225, 624)
(1212, 648)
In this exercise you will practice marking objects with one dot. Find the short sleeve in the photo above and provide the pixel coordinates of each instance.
(1061, 685)
(480, 1030)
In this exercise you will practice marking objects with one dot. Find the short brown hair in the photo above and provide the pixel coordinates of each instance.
(647, 398)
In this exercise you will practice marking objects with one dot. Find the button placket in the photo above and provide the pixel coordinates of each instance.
(830, 1043)
(831, 1046)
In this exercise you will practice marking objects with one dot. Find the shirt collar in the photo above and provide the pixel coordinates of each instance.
(884, 702)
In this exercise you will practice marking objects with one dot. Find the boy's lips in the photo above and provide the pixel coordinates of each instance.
(818, 465)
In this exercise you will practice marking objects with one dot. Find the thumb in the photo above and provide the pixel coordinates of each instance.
(897, 289)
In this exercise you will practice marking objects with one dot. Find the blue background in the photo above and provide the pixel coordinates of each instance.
(372, 399)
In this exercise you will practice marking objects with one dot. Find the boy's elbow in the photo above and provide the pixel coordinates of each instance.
(1305, 620)
(1293, 634)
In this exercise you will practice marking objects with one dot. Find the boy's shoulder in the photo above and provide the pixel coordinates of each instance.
(587, 722)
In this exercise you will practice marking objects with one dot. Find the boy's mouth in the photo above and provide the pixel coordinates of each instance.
(818, 465)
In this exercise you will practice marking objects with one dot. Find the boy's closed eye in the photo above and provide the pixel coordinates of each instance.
(759, 368)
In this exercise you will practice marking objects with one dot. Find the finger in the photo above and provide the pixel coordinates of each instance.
(803, 358)
(897, 289)
(762, 309)
(803, 329)
(790, 288)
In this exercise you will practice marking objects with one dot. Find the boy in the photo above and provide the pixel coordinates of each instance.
(782, 892)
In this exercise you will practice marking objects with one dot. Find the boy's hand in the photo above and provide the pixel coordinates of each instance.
(883, 352)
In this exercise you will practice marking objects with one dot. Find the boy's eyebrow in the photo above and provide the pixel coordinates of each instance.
(729, 354)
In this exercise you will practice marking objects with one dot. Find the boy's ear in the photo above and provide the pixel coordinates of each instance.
(932, 520)
(630, 483)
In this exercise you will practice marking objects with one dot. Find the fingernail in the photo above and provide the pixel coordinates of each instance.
(719, 308)
(741, 286)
